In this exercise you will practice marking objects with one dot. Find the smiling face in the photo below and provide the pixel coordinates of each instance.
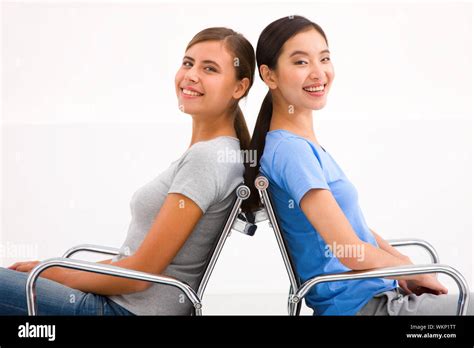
(304, 71)
(206, 82)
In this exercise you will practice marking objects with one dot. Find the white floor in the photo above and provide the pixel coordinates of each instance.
(248, 304)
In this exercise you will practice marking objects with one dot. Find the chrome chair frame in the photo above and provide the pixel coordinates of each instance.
(298, 290)
(195, 297)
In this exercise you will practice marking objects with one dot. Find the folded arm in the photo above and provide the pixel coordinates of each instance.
(170, 230)
(324, 213)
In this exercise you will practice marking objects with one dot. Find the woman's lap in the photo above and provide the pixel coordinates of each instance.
(52, 298)
(398, 302)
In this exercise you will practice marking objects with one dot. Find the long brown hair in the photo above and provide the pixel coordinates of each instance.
(244, 63)
(269, 47)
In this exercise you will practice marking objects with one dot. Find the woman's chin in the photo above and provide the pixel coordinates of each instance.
(317, 105)
(188, 109)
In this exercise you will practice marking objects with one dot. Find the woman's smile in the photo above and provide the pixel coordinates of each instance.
(190, 93)
(315, 90)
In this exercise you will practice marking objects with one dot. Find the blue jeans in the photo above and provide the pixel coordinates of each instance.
(52, 298)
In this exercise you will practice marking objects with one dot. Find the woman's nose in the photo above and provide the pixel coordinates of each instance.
(191, 75)
(317, 73)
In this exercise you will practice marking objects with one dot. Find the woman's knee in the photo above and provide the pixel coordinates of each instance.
(11, 280)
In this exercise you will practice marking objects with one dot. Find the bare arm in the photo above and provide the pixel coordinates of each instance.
(323, 212)
(171, 228)
(424, 283)
(383, 244)
(105, 261)
(70, 271)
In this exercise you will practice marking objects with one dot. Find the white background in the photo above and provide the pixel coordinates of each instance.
(89, 114)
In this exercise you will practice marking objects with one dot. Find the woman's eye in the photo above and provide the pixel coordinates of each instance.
(328, 59)
(210, 68)
(301, 62)
(187, 64)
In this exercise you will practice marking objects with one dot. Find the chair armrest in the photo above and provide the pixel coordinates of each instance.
(392, 271)
(103, 269)
(419, 242)
(93, 248)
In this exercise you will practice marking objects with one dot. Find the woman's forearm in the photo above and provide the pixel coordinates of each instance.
(384, 245)
(371, 257)
(105, 284)
(106, 261)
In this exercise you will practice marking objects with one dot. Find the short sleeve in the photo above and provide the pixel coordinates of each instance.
(197, 177)
(297, 168)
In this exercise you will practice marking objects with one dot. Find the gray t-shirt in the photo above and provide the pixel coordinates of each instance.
(206, 174)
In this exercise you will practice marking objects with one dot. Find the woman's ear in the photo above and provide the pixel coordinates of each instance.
(268, 76)
(242, 87)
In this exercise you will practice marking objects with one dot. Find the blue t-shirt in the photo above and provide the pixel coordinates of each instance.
(293, 166)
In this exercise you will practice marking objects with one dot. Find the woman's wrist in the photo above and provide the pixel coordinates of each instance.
(406, 259)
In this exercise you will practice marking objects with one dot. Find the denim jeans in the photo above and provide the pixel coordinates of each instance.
(52, 298)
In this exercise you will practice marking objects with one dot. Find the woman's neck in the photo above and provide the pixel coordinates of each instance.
(212, 127)
(299, 122)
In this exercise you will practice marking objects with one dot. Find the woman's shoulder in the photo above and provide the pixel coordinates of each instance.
(280, 143)
(220, 160)
(221, 155)
(214, 149)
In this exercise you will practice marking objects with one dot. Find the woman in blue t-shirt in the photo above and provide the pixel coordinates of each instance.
(316, 203)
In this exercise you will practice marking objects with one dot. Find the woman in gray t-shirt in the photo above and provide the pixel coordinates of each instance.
(176, 217)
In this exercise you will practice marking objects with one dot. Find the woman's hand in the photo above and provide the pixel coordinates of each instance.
(54, 273)
(24, 266)
(425, 283)
(404, 285)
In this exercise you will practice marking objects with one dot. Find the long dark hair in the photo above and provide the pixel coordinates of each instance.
(244, 63)
(269, 47)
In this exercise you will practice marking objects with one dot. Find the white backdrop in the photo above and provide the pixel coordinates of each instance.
(89, 115)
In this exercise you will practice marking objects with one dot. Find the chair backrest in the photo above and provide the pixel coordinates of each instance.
(262, 183)
(247, 225)
(242, 192)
